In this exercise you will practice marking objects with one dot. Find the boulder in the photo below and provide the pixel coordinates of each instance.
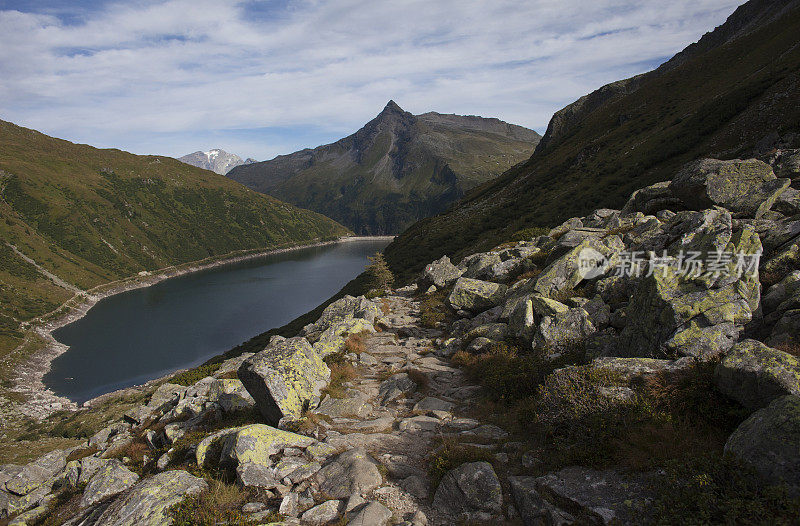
(354, 405)
(396, 386)
(231, 395)
(36, 473)
(166, 395)
(350, 472)
(324, 513)
(592, 258)
(478, 266)
(781, 291)
(475, 295)
(768, 441)
(755, 375)
(256, 443)
(786, 332)
(343, 309)
(112, 478)
(373, 514)
(149, 501)
(8, 504)
(584, 496)
(557, 333)
(634, 369)
(651, 199)
(747, 188)
(469, 492)
(440, 274)
(284, 378)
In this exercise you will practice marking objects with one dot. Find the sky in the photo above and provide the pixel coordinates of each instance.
(262, 78)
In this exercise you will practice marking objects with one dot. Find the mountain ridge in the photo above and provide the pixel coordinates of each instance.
(397, 168)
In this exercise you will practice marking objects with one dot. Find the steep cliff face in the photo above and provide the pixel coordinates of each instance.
(736, 93)
(395, 170)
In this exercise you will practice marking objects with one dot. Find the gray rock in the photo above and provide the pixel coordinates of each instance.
(651, 199)
(419, 423)
(440, 274)
(373, 514)
(167, 394)
(148, 502)
(284, 378)
(231, 395)
(781, 291)
(479, 265)
(566, 272)
(480, 345)
(8, 504)
(355, 405)
(111, 479)
(469, 490)
(396, 386)
(558, 333)
(755, 375)
(255, 475)
(533, 509)
(768, 441)
(416, 486)
(430, 403)
(475, 295)
(253, 507)
(584, 495)
(326, 512)
(746, 188)
(350, 472)
(786, 332)
(289, 505)
(34, 474)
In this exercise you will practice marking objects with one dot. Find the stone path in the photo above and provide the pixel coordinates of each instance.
(403, 401)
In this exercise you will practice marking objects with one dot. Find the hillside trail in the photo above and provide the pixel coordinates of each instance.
(404, 404)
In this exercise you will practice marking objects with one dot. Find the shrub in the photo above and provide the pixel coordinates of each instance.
(342, 371)
(378, 272)
(450, 454)
(220, 504)
(433, 309)
(355, 343)
(192, 376)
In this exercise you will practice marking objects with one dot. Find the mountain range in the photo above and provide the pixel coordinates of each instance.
(216, 160)
(73, 217)
(397, 169)
(734, 93)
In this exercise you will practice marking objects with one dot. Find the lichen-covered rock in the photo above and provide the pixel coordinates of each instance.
(470, 491)
(284, 377)
(440, 274)
(167, 394)
(475, 295)
(651, 199)
(354, 405)
(477, 266)
(8, 504)
(396, 386)
(324, 513)
(257, 442)
(781, 291)
(208, 450)
(566, 272)
(343, 309)
(112, 478)
(532, 507)
(350, 472)
(230, 394)
(557, 333)
(34, 474)
(746, 188)
(631, 369)
(147, 504)
(755, 375)
(332, 339)
(769, 441)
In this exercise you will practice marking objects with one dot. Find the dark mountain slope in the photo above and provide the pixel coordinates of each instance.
(395, 170)
(736, 95)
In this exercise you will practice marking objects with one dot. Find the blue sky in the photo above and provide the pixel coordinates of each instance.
(262, 78)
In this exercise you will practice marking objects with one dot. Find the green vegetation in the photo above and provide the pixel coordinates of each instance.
(378, 273)
(720, 102)
(395, 170)
(342, 371)
(220, 504)
(450, 454)
(94, 216)
(433, 309)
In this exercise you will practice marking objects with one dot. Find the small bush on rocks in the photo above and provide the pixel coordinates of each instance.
(450, 454)
(220, 504)
(434, 310)
(192, 376)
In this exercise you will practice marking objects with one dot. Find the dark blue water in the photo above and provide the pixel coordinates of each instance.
(146, 333)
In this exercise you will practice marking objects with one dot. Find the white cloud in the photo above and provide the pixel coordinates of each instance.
(179, 69)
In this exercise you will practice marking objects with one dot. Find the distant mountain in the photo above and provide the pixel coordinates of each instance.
(734, 93)
(88, 217)
(395, 170)
(216, 160)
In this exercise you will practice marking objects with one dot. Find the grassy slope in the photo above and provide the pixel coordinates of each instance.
(397, 180)
(720, 103)
(91, 216)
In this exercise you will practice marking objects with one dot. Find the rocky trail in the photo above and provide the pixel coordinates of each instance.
(634, 389)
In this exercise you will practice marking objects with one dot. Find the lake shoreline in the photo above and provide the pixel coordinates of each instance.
(28, 376)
